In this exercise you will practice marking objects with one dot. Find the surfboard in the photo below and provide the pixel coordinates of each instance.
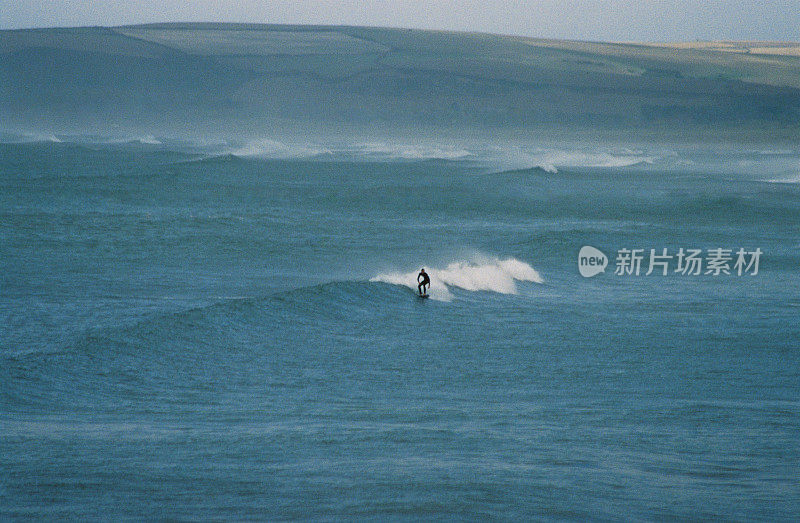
(422, 295)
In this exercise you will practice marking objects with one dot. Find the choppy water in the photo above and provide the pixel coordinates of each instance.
(233, 333)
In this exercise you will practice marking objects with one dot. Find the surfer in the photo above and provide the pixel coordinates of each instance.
(424, 281)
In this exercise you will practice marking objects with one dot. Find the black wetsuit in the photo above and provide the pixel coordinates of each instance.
(424, 283)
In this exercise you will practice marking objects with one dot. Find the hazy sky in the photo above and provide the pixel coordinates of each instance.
(649, 20)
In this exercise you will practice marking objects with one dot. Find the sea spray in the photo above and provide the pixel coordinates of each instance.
(493, 274)
(266, 148)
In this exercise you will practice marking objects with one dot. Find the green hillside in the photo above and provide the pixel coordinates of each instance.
(233, 76)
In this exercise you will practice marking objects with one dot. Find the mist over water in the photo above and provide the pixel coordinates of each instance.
(222, 323)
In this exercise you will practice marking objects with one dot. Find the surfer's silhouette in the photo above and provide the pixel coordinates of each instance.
(424, 281)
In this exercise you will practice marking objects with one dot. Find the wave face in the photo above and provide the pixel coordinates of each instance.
(232, 326)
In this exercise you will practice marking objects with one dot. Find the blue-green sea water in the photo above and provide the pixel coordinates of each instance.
(194, 332)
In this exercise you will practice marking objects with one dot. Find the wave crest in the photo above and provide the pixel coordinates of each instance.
(397, 151)
(13, 137)
(551, 160)
(266, 148)
(494, 275)
(273, 149)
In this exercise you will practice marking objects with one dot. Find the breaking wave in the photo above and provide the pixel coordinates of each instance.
(389, 151)
(265, 148)
(147, 139)
(494, 275)
(12, 137)
(552, 160)
(787, 179)
(547, 159)
(505, 156)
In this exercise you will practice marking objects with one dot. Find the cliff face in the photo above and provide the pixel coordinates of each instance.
(230, 76)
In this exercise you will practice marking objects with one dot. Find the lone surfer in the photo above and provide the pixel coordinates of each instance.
(424, 281)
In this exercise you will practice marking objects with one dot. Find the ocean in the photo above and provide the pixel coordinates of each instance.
(231, 331)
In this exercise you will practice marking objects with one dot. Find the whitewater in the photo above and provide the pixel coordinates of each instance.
(490, 275)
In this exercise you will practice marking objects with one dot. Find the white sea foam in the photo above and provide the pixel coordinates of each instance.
(29, 137)
(552, 160)
(266, 148)
(148, 139)
(494, 274)
(547, 159)
(410, 151)
(790, 174)
(789, 179)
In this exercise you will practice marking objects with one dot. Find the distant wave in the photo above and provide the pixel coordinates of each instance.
(401, 151)
(215, 158)
(267, 148)
(552, 160)
(273, 149)
(502, 156)
(6, 137)
(494, 274)
(788, 179)
(499, 156)
(549, 160)
(147, 139)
